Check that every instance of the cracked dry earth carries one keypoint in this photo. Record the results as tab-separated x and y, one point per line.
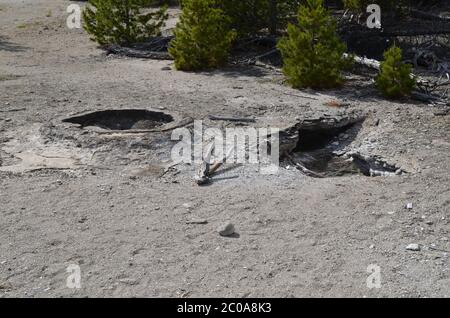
71	194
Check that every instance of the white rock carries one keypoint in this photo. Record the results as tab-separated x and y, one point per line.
226	229
409	206
187	206
413	247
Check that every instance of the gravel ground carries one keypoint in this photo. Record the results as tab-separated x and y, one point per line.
73	196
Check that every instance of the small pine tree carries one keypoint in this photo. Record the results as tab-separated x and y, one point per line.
312	52
352	4
202	36
123	21
395	79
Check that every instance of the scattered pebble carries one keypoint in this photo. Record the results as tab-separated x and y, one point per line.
187	206
166	68
226	229
409	206
413	247
197	221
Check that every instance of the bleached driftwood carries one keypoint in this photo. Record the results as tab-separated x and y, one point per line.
206	169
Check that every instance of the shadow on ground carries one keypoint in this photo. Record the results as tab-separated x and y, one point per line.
6	45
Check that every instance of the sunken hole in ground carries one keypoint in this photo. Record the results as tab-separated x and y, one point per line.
318	150
124	119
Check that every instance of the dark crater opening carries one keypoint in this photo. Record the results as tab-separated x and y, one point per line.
319	153
123	119
315	139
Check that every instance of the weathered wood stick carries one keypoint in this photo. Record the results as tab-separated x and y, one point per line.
202	176
236	119
206	170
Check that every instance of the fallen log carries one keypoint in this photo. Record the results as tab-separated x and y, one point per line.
398	33
424	85
427	15
135	53
376	65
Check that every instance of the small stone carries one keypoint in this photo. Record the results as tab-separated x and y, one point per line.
441	112
226	229
413	247
197	221
372	247
409	206
166	68
82	220
187	206
128	281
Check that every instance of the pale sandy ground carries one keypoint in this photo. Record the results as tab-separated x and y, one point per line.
298	236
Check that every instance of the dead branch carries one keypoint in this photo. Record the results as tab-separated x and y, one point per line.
427	16
233	119
206	170
426	87
302	168
202	176
136	53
